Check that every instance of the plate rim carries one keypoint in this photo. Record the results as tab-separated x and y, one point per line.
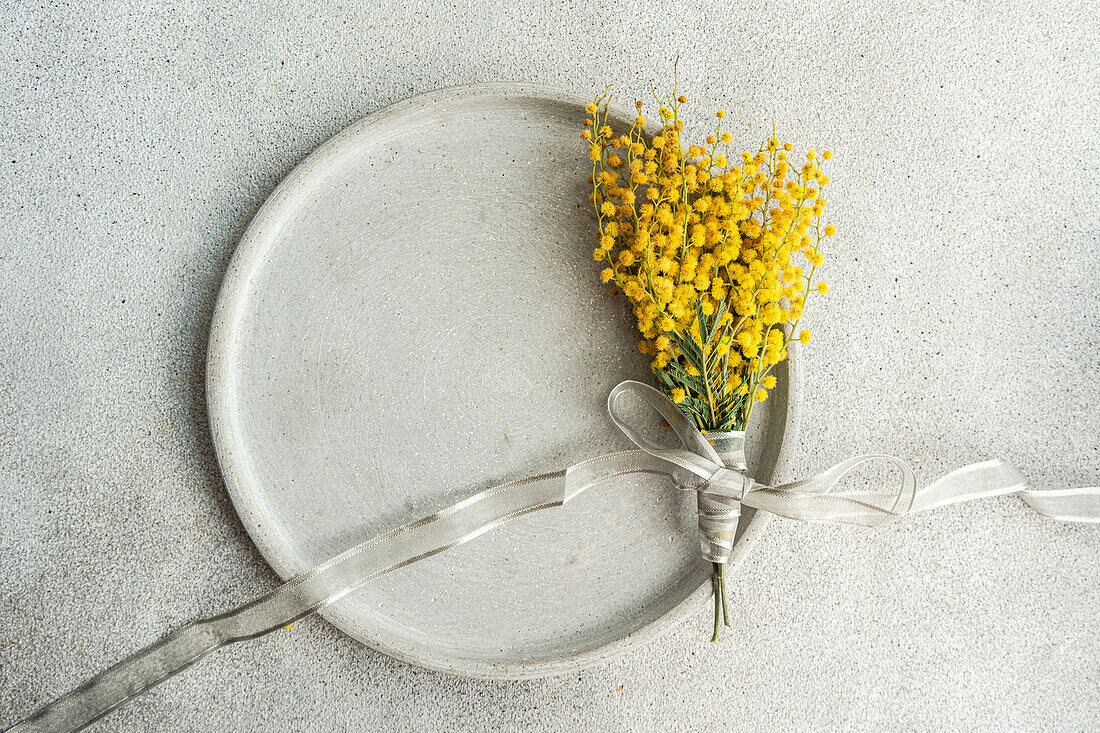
234	288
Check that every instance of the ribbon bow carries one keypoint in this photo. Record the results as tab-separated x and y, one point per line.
714	466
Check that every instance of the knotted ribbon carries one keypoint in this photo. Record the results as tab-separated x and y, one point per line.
713	466
723	486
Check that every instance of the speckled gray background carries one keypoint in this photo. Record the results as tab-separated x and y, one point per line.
137	144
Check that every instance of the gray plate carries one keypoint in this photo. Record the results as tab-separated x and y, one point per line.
414	315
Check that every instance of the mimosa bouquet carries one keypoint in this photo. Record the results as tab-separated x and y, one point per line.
716	253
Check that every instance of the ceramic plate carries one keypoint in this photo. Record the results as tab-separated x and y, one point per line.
414	315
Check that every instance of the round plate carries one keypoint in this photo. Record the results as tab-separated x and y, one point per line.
414	315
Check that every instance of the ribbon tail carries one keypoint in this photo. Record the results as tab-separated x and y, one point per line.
998	478
811	500
1067	505
324	585
976	481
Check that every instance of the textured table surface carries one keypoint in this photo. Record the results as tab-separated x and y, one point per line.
137	144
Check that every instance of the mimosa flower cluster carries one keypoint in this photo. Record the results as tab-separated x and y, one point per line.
715	251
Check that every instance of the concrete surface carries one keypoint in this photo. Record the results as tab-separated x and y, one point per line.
137	144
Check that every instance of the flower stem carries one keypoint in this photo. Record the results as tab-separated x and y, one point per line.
725	602
721	608
717	604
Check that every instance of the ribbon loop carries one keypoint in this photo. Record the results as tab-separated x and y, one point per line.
698	456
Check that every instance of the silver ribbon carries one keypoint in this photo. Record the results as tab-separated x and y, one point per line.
712	465
698	466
